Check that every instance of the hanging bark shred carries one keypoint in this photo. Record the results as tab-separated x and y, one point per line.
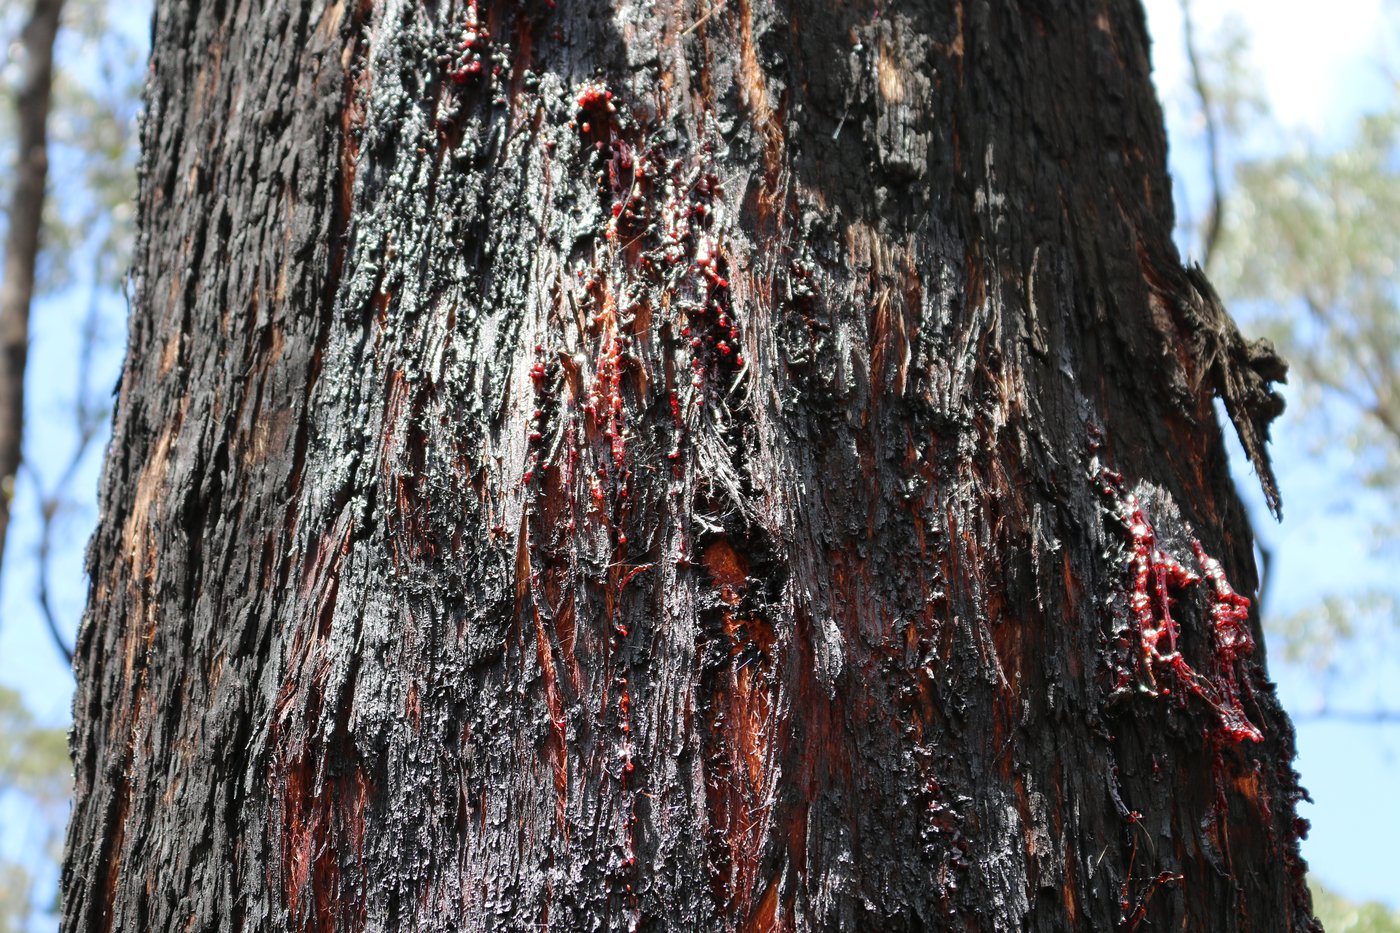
1242	373
617	466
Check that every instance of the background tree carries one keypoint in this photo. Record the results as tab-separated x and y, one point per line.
1307	241
77	117
67	237
1331	217
22	224
603	468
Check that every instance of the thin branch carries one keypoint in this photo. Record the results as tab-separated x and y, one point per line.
89	415
48	509
1266	566
1198	83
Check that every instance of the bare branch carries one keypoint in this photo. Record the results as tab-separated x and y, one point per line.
49	509
88	417
1266	566
1198	84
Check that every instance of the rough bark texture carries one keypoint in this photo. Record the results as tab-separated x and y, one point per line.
24	220
735	466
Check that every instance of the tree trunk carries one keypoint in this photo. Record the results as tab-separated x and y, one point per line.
746	466
25	219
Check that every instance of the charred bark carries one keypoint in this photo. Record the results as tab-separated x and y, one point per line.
732	466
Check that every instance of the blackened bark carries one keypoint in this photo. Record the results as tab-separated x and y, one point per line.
736	466
25	219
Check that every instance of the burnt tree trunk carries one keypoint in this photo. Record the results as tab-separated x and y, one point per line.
735	466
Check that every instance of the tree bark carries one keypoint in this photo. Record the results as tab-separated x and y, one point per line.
719	466
25	220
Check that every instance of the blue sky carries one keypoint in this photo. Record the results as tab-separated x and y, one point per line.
1318	71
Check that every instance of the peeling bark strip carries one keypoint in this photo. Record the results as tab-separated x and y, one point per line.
617	466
